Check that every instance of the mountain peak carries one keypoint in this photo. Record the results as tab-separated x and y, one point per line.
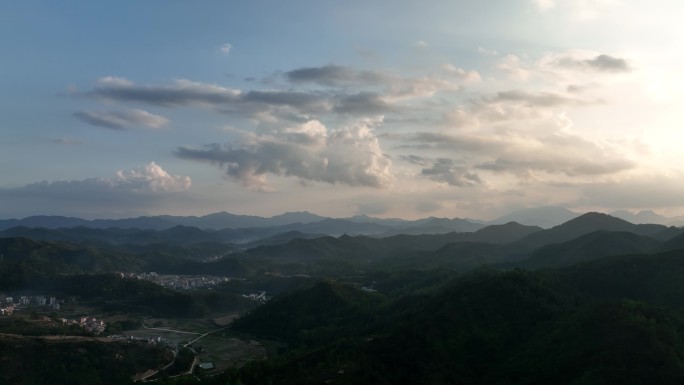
596	219
545	216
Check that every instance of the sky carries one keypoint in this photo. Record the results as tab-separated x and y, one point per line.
456	108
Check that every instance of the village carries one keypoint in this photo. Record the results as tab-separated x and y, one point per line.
178	282
10	305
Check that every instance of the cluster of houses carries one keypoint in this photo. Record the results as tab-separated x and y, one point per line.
7	309
142	276
188	283
9	304
178	282
90	324
258	297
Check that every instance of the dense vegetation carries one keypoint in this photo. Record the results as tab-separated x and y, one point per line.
488	327
593	301
41	361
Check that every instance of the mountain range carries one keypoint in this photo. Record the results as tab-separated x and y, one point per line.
317	248
305	222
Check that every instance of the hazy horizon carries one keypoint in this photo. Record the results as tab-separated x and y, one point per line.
389	109
546	214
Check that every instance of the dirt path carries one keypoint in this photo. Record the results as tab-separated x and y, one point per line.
167	330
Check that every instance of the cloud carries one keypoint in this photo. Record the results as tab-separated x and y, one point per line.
470	76
119	120
607	63
515	109
420	44
114	81
579	88
186	93
598	63
151	178
580	10
350	155
520	155
136	189
542	99
393	87
570	66
488	52
422	87
658	190
226	48
68	141
334	76
444	170
303	101
179	93
363	103
375	93
514	67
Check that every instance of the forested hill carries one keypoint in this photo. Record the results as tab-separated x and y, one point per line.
593	323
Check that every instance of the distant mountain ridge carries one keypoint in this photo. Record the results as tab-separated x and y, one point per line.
249	228
214	221
585	224
546	216
303	221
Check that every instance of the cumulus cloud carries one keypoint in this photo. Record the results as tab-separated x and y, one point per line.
150	178
350	155
128	190
119	120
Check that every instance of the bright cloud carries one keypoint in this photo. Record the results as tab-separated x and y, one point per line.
129	190
150	178
349	155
